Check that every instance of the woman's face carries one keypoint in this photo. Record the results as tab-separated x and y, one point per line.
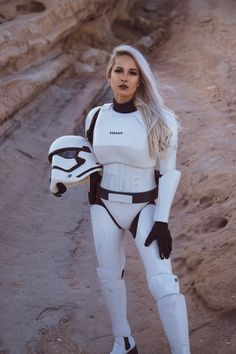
124	78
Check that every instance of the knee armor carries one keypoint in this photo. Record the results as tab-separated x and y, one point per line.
163	284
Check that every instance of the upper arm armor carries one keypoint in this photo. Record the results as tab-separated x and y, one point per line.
168	156
89	118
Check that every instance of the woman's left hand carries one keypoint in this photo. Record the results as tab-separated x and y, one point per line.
161	234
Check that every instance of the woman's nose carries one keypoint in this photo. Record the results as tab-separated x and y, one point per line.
124	78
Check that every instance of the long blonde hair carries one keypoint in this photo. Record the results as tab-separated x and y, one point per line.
147	100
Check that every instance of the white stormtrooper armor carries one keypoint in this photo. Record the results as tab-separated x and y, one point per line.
72	160
126	201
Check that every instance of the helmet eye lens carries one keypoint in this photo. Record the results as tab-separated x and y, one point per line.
69	154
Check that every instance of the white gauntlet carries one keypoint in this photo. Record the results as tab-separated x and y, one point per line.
168	184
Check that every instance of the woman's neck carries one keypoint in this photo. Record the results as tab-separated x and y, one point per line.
125	107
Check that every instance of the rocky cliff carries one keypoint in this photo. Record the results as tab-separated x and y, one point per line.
41	40
52	57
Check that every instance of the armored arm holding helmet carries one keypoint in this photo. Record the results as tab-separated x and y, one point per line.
73	161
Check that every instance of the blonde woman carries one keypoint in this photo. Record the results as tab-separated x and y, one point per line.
132	138
134	141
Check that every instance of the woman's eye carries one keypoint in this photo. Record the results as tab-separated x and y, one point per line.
118	70
134	73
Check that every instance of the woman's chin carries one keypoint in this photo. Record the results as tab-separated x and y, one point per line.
123	98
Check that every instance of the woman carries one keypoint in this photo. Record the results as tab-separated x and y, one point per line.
132	138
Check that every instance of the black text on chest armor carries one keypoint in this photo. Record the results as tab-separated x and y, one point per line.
116	133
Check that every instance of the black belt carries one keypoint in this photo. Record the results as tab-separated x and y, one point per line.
122	197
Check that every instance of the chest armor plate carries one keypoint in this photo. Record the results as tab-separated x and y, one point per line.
121	138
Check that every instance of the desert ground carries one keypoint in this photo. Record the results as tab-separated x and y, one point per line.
50	300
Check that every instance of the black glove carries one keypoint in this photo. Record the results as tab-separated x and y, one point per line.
61	189
161	234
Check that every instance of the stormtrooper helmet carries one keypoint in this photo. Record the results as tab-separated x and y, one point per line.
72	161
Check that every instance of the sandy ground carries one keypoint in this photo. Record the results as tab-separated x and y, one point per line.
50	297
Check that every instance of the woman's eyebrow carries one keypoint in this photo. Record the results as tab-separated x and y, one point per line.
121	67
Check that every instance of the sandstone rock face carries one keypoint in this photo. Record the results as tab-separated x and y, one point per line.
34	33
52	58
201	52
94	57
